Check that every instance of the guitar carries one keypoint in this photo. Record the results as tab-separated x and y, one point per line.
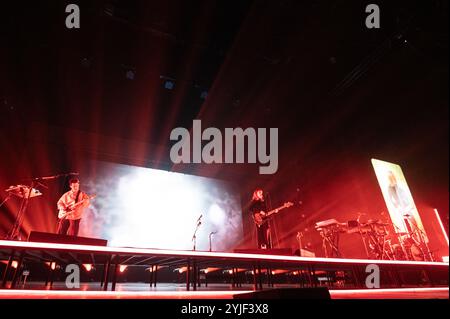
63	213
261	217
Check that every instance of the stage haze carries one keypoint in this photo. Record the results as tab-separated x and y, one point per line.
142	207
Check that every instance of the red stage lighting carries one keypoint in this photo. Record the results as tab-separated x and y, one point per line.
88	267
123	268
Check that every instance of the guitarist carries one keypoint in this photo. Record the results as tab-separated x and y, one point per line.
257	208
69	223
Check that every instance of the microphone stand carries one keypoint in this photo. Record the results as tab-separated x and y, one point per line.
272	230
194	237
53	176
5	200
14	232
210	245
299	239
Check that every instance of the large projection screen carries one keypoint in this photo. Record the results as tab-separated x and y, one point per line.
398	197
142	207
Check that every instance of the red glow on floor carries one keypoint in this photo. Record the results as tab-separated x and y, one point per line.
58	294
404	293
400	293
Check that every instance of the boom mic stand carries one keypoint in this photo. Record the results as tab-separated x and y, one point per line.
194	237
5	200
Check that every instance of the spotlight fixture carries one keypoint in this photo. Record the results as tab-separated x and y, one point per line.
130	74
169	85
204	95
130	71
86	62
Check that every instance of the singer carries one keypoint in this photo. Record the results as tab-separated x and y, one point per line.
71	207
257	209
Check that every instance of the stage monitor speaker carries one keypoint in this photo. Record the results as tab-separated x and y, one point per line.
305	253
65	239
274	251
287	293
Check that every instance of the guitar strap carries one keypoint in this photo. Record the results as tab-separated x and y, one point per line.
78	196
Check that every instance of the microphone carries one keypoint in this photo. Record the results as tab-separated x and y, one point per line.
200	217
213	232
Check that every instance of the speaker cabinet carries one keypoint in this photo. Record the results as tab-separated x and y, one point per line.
65	239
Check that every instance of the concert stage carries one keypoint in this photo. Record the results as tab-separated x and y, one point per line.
136	292
227	274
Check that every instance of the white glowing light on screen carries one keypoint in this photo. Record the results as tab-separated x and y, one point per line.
150	208
157	205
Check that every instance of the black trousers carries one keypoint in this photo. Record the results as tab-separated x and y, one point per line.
69	227
263	233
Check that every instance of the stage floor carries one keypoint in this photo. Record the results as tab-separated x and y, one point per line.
215	291
237	273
